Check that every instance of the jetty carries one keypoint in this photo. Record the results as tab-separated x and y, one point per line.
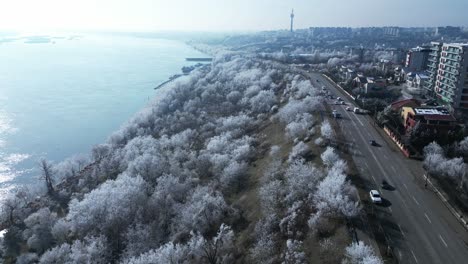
199	59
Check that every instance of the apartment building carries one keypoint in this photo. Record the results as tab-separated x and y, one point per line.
448	73
416	59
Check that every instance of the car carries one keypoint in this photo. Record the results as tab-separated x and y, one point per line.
343	102
332	97
337	102
375	197
348	108
339	98
372	142
385	185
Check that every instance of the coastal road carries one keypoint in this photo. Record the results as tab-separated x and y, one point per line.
419	227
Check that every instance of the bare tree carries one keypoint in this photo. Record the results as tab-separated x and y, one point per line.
47	175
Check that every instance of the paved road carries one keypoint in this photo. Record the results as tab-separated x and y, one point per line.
421	229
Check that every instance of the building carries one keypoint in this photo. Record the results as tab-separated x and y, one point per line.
448	74
451	84
416	59
374	85
438	119
417	80
432	66
398	105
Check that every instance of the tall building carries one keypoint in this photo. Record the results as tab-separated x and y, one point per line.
448	65
416	59
292	20
432	66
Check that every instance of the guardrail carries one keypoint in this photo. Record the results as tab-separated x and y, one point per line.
339	86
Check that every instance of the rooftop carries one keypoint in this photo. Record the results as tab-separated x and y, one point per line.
434	113
407	102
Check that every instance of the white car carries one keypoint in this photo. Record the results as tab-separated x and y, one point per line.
375	197
348	108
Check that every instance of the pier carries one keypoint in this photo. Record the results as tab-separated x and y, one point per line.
199	59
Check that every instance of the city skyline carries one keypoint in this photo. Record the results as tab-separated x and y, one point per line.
209	15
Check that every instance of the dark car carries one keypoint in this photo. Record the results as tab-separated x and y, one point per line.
373	143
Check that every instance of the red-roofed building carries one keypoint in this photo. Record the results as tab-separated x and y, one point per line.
396	106
435	118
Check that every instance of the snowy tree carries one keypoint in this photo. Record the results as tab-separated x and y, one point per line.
327	131
109	208
301	180
90	250
271	197
433	148
38	233
203	210
463	146
334	196
329	157
300	150
294	253
360	253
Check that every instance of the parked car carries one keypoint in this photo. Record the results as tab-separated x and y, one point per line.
373	143
375	197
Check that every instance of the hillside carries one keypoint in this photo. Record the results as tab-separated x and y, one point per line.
233	164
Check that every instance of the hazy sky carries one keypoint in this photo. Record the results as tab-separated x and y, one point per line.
221	15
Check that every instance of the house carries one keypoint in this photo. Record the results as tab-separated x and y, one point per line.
396	106
375	84
438	119
359	81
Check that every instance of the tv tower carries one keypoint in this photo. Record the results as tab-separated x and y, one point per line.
292	20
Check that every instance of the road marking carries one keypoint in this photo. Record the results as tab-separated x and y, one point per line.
367	166
360	122
443	241
399	253
404	203
385	156
393	168
401	230
390	209
414	256
416	201
406	187
427	217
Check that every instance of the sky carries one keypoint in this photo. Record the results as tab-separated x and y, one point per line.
224	15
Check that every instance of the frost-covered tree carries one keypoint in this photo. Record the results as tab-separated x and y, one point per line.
433	148
38	233
335	196
108	209
300	150
360	253
329	157
294	253
327	131
301	180
204	210
90	250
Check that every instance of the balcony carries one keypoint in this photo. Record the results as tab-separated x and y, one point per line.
453	51
451	57
433	59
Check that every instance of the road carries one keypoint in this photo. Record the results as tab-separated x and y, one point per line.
420	228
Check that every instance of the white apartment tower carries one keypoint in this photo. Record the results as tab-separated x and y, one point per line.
448	79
